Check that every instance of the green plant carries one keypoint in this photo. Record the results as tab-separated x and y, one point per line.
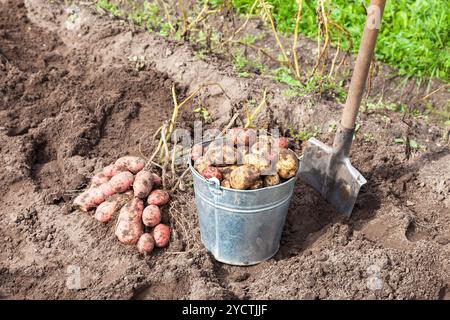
109	7
412	143
304	135
414	36
367	137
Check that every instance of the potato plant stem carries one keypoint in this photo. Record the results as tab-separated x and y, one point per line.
294	45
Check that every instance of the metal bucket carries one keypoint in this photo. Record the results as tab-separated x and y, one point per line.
241	227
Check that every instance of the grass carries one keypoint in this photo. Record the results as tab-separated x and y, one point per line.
414	35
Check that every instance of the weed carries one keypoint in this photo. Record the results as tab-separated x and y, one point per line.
304	135
412	143
109	7
367	137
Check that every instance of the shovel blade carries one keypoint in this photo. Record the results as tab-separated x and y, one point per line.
335	178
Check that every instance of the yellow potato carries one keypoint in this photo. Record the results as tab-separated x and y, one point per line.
222	155
261	148
226	171
257	185
287	165
201	164
244	177
225	184
271	180
262	164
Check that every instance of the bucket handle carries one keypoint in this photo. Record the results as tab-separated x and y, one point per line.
214	186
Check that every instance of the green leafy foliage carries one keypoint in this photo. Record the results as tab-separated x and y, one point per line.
109	7
414	36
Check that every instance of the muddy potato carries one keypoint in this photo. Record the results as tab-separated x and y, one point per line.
271	180
161	234
122	182
222	155
287	165
262	164
257	185
129	225
151	216
105	211
99	179
196	152
132	163
226	171
201	164
146	243
241	152
143	184
212	172
157	181
225	184
244	177
261	148
233	134
158	197
246	137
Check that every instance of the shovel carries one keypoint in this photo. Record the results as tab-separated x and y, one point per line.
328	169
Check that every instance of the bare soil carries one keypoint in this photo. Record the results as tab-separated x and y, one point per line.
71	101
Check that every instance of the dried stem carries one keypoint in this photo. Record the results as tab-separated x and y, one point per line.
256	111
183	13
238	30
294	44
275	33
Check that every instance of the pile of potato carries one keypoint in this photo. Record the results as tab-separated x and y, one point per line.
127	186
243	161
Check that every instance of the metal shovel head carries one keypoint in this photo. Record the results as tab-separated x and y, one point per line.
331	175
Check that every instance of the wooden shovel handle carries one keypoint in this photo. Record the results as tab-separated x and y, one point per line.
362	65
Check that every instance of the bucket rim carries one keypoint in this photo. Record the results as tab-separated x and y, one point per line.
194	172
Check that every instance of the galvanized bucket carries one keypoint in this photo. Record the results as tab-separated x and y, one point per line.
241	227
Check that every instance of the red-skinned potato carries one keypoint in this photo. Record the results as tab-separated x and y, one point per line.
132	163
129	224
122	182
281	142
212	172
111	170
161	234
196	152
99	179
143	184
151	216
89	199
158	197
157	181
146	243
105	211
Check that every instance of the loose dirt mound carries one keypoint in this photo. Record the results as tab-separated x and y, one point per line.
71	102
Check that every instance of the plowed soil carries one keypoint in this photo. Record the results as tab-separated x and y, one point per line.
72	101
